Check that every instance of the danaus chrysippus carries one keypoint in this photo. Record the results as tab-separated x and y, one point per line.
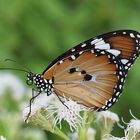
93	72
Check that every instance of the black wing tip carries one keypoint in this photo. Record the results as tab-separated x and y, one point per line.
120	31
128	31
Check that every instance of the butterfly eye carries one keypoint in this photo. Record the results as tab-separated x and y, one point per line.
30	77
29	82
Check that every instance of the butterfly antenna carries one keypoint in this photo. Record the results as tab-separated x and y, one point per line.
15	69
18	64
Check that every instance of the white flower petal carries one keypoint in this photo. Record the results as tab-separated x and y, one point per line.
108	115
39	102
69	112
135	125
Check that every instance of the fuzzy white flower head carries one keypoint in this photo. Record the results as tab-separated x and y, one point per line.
135	124
133	128
2	138
69	111
41	101
108	115
11	82
107	120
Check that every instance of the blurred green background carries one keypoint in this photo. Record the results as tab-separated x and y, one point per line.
35	32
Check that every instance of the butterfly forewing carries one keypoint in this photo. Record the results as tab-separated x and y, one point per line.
124	44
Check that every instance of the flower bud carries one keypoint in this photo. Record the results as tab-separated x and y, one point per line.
106	121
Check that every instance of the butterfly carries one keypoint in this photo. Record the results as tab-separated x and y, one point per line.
92	73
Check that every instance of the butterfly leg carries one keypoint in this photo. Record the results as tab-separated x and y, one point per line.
33	92
61	100
31	100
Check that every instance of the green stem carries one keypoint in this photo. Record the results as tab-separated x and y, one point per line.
88	118
59	133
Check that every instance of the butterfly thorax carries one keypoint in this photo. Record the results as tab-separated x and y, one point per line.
42	84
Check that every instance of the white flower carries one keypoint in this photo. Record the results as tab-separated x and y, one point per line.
68	110
11	82
135	124
104	115
106	119
133	129
2	138
41	101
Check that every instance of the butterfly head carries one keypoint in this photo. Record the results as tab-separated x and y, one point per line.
30	78
41	83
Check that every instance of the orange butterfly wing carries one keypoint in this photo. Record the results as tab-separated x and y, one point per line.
93	82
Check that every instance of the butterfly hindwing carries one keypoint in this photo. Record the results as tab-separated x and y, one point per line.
94	79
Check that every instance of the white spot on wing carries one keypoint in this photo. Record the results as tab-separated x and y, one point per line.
73	57
138	35
80	52
132	35
100	43
129	64
117	94
83	45
114	52
126	67
124	61
103	107
61	61
105	46
95	41
110	104
102	52
50	81
73	50
93	79
114	99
